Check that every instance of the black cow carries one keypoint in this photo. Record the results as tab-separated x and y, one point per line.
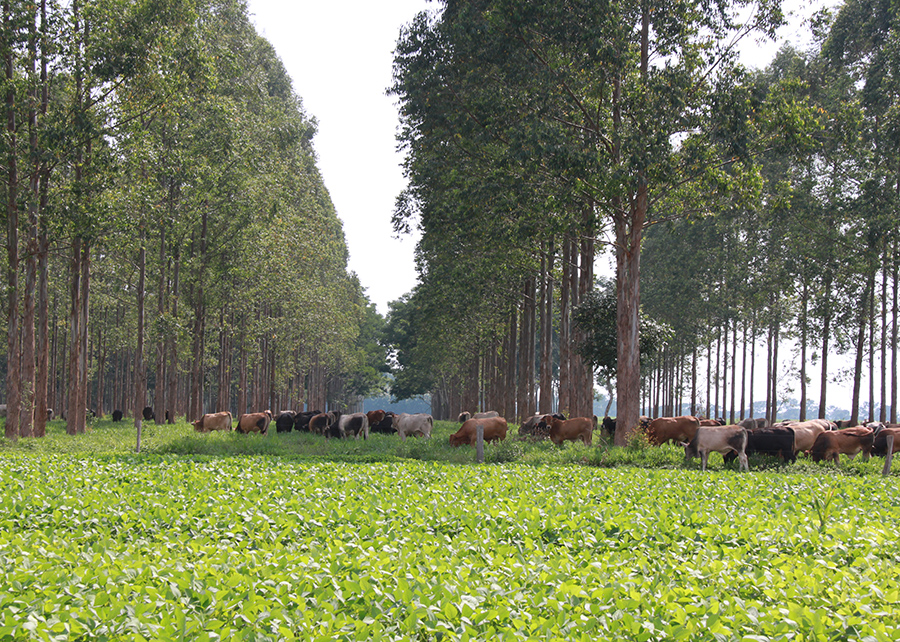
301	420
774	441
386	425
148	414
285	421
609	425
117	415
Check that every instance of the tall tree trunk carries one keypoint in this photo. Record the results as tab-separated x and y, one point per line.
13	373
83	327
776	339
804	303
694	378
564	328
708	376
734	334
872	349
894	325
74	334
752	364
860	346
718	372
826	331
140	376
546	372
882	415
769	372
159	385
585	283
743	371
172	346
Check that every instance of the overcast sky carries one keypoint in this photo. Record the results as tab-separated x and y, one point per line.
339	55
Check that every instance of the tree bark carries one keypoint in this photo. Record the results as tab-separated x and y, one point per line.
546	372
564	328
140	377
804	303
826	330
894	327
860	346
13	374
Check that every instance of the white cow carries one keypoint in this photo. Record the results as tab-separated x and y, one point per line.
417	424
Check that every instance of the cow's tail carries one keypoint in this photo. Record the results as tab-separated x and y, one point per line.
230	420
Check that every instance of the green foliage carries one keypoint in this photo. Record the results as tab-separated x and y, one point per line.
273	548
595	316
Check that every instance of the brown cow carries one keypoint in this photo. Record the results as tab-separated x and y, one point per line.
254	422
375	417
494	430
830	444
887	442
711	422
677	429
213	421
569	430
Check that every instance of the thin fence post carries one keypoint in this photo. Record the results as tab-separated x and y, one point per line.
890	454
479	444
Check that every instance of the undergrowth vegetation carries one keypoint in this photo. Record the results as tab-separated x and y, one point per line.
283	537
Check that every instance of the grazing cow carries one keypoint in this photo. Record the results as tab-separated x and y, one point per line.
712	422
529	427
845	423
720	439
386	425
255	422
356	423
568	430
463	417
318	423
829	445
301	419
117	415
375	417
284	422
494	430
609	425
752	423
774	441
677	429
805	432
148	414
417	424
213	421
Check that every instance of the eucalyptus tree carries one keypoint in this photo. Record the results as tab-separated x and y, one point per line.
617	103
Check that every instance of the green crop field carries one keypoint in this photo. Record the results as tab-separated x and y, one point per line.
234	537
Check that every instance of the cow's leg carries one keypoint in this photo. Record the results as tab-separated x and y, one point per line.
704	455
745	465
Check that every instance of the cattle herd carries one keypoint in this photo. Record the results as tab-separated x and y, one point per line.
334	424
819	439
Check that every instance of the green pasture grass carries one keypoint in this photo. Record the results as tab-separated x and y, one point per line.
260	547
104	437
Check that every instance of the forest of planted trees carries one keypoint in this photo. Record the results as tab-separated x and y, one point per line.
170	241
750	212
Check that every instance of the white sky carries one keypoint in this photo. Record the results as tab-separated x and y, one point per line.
339	55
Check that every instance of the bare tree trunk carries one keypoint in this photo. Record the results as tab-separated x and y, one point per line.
140	376
752	363
74	334
872	350
564	328
694	378
860	346
743	371
585	283
172	346
708	376
776	338
734	334
546	372
159	387
894	331
882	415
718	372
769	373
13	393
826	330
803	328
83	328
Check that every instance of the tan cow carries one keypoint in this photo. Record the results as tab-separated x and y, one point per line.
494	430
254	422
805	432
720	439
413	424
213	421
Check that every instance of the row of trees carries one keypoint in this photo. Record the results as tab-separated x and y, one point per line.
170	241
537	131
